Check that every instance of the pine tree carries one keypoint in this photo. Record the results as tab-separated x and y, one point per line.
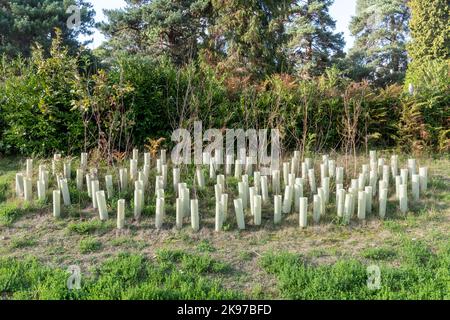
313	44
173	27
242	36
248	36
381	31
26	22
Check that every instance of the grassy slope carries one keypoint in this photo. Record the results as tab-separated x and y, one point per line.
326	261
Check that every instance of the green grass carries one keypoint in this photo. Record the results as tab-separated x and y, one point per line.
125	242
13	210
22	242
4	187
379	253
205	246
192	263
90	227
421	275
8	169
126	276
393	226
9	212
88	245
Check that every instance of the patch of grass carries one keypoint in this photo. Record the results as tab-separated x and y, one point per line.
29	279
8	169
55	250
316	253
90	227
200	264
258	291
128	243
438	183
89	245
379	253
78	198
416	253
9	212
149	210
73	211
22	242
13	210
4	185
422	276
186	238
245	255
393	226
193	263
167	255
205	246
123	277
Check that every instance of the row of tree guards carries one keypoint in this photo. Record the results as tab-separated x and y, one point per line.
294	189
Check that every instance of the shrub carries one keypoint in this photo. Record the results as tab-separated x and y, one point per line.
425	118
36	104
52	104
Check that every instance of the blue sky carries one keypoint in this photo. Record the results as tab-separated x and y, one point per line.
342	11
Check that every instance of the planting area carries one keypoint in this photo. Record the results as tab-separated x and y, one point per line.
325	260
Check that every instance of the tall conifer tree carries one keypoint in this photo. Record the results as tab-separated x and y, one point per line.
313	45
381	31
